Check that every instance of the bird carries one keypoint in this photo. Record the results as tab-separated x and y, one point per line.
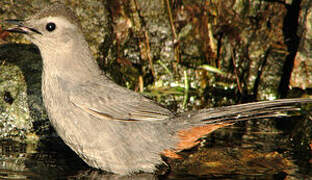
109	126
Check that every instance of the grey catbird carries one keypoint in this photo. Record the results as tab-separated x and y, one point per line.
108	126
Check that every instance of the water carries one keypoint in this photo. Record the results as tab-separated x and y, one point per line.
247	150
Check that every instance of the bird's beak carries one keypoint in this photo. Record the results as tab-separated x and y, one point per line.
20	27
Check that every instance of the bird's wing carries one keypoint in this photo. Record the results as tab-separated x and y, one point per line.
112	102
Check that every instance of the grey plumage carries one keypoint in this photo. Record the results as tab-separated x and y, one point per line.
111	127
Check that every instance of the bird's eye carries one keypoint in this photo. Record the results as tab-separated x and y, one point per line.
50	27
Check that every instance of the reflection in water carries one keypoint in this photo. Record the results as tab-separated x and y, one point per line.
53	160
93	175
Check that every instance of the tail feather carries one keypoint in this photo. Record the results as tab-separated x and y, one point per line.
253	115
201	123
248	111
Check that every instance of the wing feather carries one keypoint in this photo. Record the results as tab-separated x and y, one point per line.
110	101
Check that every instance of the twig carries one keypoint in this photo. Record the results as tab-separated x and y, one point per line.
148	49
141	83
186	89
236	74
175	40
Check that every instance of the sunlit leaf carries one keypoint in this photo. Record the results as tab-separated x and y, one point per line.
211	69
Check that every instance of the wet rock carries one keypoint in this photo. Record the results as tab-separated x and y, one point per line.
20	89
234	162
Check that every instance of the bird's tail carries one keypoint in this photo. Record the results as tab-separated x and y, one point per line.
248	111
200	123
